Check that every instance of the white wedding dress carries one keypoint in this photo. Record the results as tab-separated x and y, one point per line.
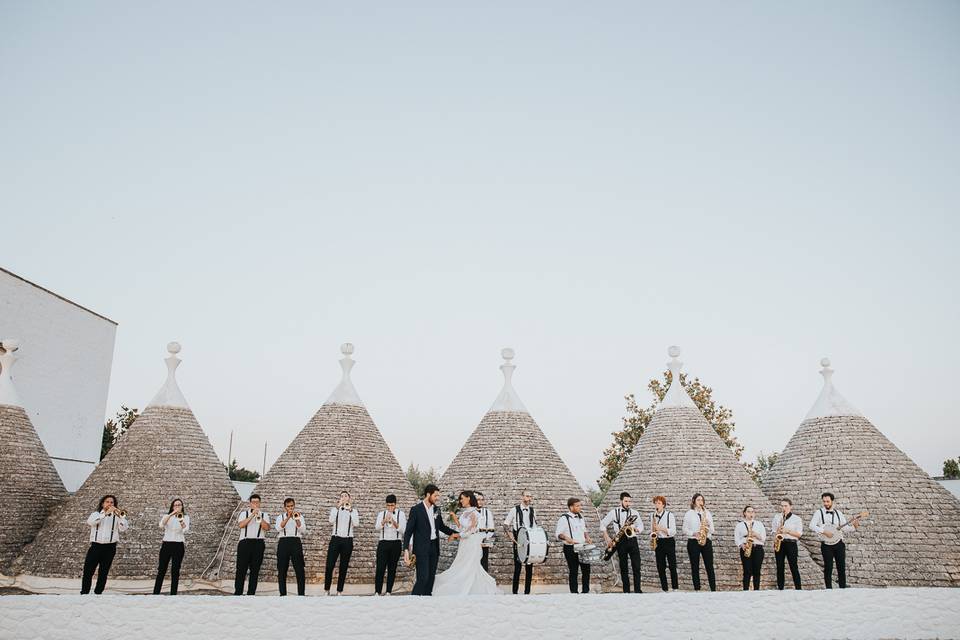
466	576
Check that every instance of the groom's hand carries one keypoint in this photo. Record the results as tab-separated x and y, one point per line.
455	536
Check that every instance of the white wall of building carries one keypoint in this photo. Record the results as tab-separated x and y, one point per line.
63	371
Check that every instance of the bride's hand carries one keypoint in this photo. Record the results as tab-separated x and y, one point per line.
455	536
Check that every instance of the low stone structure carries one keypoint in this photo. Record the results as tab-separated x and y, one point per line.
912	535
680	454
29	483
164	455
504	455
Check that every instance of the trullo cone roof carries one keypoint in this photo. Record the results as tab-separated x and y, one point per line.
339	449
504	455
28	480
912	536
680	454
164	455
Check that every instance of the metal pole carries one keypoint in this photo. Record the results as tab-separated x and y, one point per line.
264	467
230	450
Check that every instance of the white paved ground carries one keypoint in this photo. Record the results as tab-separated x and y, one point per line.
853	613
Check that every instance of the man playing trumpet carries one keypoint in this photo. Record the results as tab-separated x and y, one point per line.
253	525
345	519
291	527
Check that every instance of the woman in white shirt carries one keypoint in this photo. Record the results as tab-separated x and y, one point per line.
106	524
745	530
174	525
692	522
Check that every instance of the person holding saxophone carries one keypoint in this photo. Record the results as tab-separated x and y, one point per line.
628	548
788	527
698	527
749	535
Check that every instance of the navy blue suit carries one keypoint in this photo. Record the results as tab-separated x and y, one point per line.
426	550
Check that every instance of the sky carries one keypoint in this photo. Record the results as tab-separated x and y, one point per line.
762	184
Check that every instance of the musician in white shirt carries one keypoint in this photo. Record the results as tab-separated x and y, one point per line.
486	521
253	525
791	532
345	519
522	515
106	524
572	531
291	527
832	552
172	548
750	529
664	524
692	521
628	549
390	525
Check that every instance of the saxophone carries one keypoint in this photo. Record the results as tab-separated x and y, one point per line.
627	530
653	533
748	545
704	530
778	539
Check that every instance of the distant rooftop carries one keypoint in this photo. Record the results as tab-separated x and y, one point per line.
57	295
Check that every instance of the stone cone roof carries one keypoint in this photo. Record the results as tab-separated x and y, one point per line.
340	448
504	455
697	461
912	537
28	479
164	455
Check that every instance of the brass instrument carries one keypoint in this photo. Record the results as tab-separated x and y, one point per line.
748	545
180	516
627	530
704	529
653	533
296	515
412	562
120	513
778	540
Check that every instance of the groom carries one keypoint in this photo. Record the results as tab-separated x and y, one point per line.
424	524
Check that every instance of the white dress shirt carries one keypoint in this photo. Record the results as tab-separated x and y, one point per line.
669	521
572	525
393	531
106	529
432	517
344	521
794	523
172	531
252	530
740	533
487	521
291	530
617	516
691	524
527	515
821	517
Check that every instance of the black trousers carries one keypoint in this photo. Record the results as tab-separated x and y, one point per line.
342	549
830	553
695	551
629	550
574	565
528	578
485	559
751	567
290	551
666	553
388	555
170	553
788	552
249	558
99	558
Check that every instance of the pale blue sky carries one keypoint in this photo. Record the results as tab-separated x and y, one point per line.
759	183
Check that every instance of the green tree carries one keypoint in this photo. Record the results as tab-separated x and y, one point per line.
951	469
241	474
419	479
596	494
115	427
638	418
763	464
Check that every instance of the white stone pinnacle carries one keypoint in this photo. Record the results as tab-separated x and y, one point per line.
170	394
676	395
830	402
508	400
8	393
345	393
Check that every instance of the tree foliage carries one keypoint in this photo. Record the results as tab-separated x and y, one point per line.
763	464
419	478
951	469
115	427
241	474
638	418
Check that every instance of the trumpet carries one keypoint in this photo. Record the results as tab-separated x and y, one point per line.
180	516
120	513
297	515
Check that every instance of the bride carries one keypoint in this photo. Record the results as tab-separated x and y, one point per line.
465	576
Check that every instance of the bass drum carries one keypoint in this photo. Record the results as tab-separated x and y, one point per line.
532	545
